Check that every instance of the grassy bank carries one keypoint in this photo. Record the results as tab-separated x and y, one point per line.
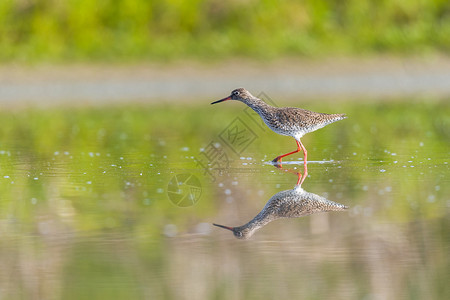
119	30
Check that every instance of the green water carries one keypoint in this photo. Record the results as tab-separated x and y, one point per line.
91	205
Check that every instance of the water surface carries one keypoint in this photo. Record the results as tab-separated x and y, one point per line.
119	203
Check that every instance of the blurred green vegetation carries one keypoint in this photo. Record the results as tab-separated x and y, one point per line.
127	30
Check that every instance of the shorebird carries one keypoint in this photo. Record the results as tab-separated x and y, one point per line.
290	121
286	204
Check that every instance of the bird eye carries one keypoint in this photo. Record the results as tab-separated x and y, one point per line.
236	93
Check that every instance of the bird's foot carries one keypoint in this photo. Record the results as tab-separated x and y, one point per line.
277	160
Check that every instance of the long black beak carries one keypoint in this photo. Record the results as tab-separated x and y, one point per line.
226	227
224	99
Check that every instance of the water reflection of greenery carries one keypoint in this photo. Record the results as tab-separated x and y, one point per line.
77	173
121	153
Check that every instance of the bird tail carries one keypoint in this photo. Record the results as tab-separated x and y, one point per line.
339	117
335	117
334	206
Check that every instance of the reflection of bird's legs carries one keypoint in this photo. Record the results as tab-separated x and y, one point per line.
299	178
278	158
299	175
305	160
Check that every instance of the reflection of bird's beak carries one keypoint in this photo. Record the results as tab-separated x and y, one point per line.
226	227
224	99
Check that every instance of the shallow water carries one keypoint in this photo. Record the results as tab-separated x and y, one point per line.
120	204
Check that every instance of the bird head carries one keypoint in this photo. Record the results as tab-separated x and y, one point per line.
241	232
239	94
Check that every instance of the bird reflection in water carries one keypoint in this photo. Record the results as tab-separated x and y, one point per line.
293	203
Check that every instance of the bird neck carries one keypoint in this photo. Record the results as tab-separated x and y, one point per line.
257	105
257	222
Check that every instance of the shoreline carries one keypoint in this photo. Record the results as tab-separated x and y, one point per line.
376	78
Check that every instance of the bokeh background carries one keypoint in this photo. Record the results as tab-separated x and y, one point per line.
105	104
136	30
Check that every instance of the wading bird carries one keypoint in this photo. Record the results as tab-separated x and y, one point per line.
290	121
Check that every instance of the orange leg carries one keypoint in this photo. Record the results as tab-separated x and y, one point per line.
278	158
305	160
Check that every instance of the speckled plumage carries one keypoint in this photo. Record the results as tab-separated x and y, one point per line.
290	121
286	204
